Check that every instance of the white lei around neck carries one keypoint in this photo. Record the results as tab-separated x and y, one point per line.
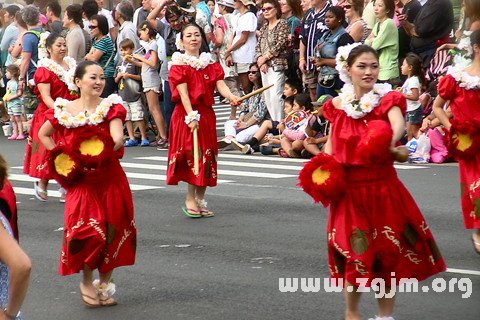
357	109
66	76
464	79
197	63
68	120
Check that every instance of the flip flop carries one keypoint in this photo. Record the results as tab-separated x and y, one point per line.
192	213
39	191
88	304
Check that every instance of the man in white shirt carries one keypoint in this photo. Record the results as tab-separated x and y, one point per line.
141	13
108	15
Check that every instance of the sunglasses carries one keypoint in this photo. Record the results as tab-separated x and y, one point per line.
252	72
267	9
92	27
347	6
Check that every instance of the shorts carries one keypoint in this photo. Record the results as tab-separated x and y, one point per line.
310	79
156	89
134	110
15	109
415	116
242	67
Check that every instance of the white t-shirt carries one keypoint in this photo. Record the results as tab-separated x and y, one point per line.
107	14
244	22
412	83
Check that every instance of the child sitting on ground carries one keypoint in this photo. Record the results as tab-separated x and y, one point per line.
129	89
14	102
295	123
290	89
316	130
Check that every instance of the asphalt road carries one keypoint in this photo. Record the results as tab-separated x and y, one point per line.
228	267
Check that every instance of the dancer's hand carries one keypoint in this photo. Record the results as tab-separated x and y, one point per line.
193	125
234	100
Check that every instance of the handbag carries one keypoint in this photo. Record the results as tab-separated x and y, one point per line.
326	81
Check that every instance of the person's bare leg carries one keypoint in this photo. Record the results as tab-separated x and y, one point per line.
385	305
190	201
352	301
154	108
87	290
104	296
311	147
143	130
129	126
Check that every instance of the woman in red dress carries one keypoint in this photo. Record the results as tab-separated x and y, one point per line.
53	79
99	225
461	89
193	78
375	227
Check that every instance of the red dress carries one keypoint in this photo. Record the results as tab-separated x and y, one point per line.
201	85
99	225
35	162
376	227
465	106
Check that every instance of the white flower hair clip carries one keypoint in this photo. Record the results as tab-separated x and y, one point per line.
42	45
341	61
178	43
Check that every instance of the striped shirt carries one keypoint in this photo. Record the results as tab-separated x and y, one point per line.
313	28
106	46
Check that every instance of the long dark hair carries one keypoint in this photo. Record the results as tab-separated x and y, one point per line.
415	62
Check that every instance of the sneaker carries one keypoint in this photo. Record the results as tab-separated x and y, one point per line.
247	149
241	147
162	144
130	143
145	143
13	137
21	137
305	154
224	143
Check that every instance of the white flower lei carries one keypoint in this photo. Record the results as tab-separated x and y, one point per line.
341	61
64	75
197	63
464	79
357	109
67	120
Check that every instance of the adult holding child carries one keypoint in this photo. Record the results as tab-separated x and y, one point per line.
375	227
193	78
88	167
460	89
53	79
271	56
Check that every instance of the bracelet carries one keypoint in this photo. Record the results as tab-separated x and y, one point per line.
192	116
302	59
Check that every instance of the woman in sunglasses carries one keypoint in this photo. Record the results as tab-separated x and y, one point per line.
357	27
102	51
271	56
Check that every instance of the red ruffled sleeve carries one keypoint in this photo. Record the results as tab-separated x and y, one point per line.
43	75
218	70
390	100
176	76
447	87
330	112
116	111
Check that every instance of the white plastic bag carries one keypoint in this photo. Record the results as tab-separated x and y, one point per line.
419	149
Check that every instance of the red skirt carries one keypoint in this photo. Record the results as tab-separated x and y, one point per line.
376	228
180	152
470	191
99	224
35	158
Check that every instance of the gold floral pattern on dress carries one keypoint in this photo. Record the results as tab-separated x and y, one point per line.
360	267
359	241
331	238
